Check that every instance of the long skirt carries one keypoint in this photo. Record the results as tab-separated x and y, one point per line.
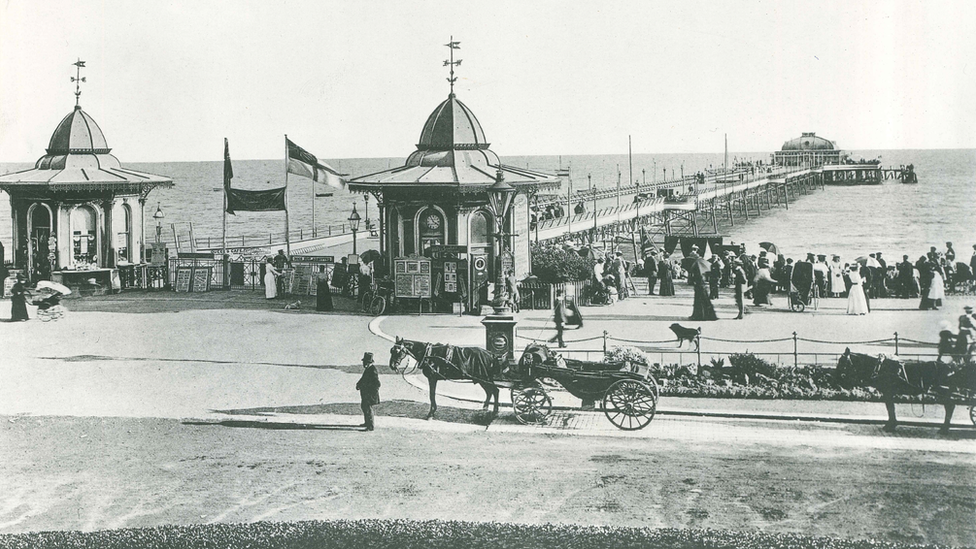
270	285
667	286
760	293
703	309
18	308
937	289
856	303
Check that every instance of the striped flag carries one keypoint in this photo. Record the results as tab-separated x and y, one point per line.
305	164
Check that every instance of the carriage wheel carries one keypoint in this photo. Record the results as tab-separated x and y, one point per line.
796	305
377	306
532	405
972	414
629	404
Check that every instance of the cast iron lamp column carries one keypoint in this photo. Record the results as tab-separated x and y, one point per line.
500	197
354	225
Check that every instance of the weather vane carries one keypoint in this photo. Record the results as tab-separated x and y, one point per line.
452	63
78	79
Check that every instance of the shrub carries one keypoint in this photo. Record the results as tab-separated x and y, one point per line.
619	355
554	264
751	365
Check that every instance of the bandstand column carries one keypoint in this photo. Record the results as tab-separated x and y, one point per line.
141	246
108	246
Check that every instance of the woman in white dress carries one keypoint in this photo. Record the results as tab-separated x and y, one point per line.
836	277
937	288
270	280
856	304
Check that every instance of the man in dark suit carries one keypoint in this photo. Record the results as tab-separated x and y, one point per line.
650	271
867	282
803	277
369	389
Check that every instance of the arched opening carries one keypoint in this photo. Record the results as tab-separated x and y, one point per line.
39	220
431	228
123	239
84	241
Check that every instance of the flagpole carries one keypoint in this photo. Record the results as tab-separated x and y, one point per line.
287	236
223	240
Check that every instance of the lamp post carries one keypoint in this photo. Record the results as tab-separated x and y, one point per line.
500	197
366	198
158	216
354	225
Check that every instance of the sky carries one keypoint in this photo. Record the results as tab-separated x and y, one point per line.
168	80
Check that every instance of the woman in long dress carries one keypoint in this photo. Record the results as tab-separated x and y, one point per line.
270	280
937	286
18	300
836	277
664	274
856	303
764	284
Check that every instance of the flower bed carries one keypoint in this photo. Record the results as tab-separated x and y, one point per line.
425	534
750	376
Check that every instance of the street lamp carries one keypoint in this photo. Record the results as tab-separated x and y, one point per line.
500	197
366	198
354	225
158	216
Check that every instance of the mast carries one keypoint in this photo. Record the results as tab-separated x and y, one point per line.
287	236
725	165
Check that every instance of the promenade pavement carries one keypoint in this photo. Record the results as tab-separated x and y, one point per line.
203	356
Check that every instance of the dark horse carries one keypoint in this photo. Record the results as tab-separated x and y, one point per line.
438	361
891	378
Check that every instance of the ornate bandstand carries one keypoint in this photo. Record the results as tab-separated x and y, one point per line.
78	215
454	202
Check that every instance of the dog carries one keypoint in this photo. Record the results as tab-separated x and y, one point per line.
685	334
295	305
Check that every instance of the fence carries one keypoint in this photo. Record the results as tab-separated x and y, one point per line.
542	296
244	274
791	356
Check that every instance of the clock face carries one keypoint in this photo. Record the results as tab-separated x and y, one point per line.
433	222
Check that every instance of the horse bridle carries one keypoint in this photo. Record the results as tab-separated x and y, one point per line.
404	351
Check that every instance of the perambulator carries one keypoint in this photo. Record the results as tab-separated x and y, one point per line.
797	301
48	300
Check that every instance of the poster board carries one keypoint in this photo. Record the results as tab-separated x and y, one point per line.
412	277
184	275
201	279
520	240
302	280
450	277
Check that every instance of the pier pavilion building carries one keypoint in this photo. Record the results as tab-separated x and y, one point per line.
808	150
78	214
438	203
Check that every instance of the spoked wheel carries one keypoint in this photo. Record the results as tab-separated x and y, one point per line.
796	305
629	404
532	405
377	306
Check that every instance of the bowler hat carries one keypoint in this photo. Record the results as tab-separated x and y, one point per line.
367	358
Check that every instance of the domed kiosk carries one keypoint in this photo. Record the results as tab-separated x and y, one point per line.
808	149
438	206
78	214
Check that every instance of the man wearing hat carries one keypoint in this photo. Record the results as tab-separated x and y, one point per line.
369	389
739	276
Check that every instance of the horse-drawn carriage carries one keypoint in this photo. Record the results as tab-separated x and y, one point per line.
627	394
950	384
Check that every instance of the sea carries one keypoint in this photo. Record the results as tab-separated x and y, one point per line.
893	218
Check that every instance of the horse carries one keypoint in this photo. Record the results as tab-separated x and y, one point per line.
891	378
439	361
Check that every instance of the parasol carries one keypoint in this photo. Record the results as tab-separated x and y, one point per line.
769	247
868	261
369	256
696	265
53	286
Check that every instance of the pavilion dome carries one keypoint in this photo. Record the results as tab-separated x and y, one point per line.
452	126
808	141
77	142
78	133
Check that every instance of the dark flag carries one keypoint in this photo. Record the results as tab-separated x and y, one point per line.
272	200
249	201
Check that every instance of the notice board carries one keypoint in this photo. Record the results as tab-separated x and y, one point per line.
412	277
201	279
184	276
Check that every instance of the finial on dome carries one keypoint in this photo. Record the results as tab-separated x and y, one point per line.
78	79
452	63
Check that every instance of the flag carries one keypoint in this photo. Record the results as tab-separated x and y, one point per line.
272	200
249	201
305	164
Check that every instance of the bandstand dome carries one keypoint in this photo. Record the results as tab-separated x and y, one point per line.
808	141
452	152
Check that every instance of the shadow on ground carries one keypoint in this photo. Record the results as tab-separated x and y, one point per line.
392	408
